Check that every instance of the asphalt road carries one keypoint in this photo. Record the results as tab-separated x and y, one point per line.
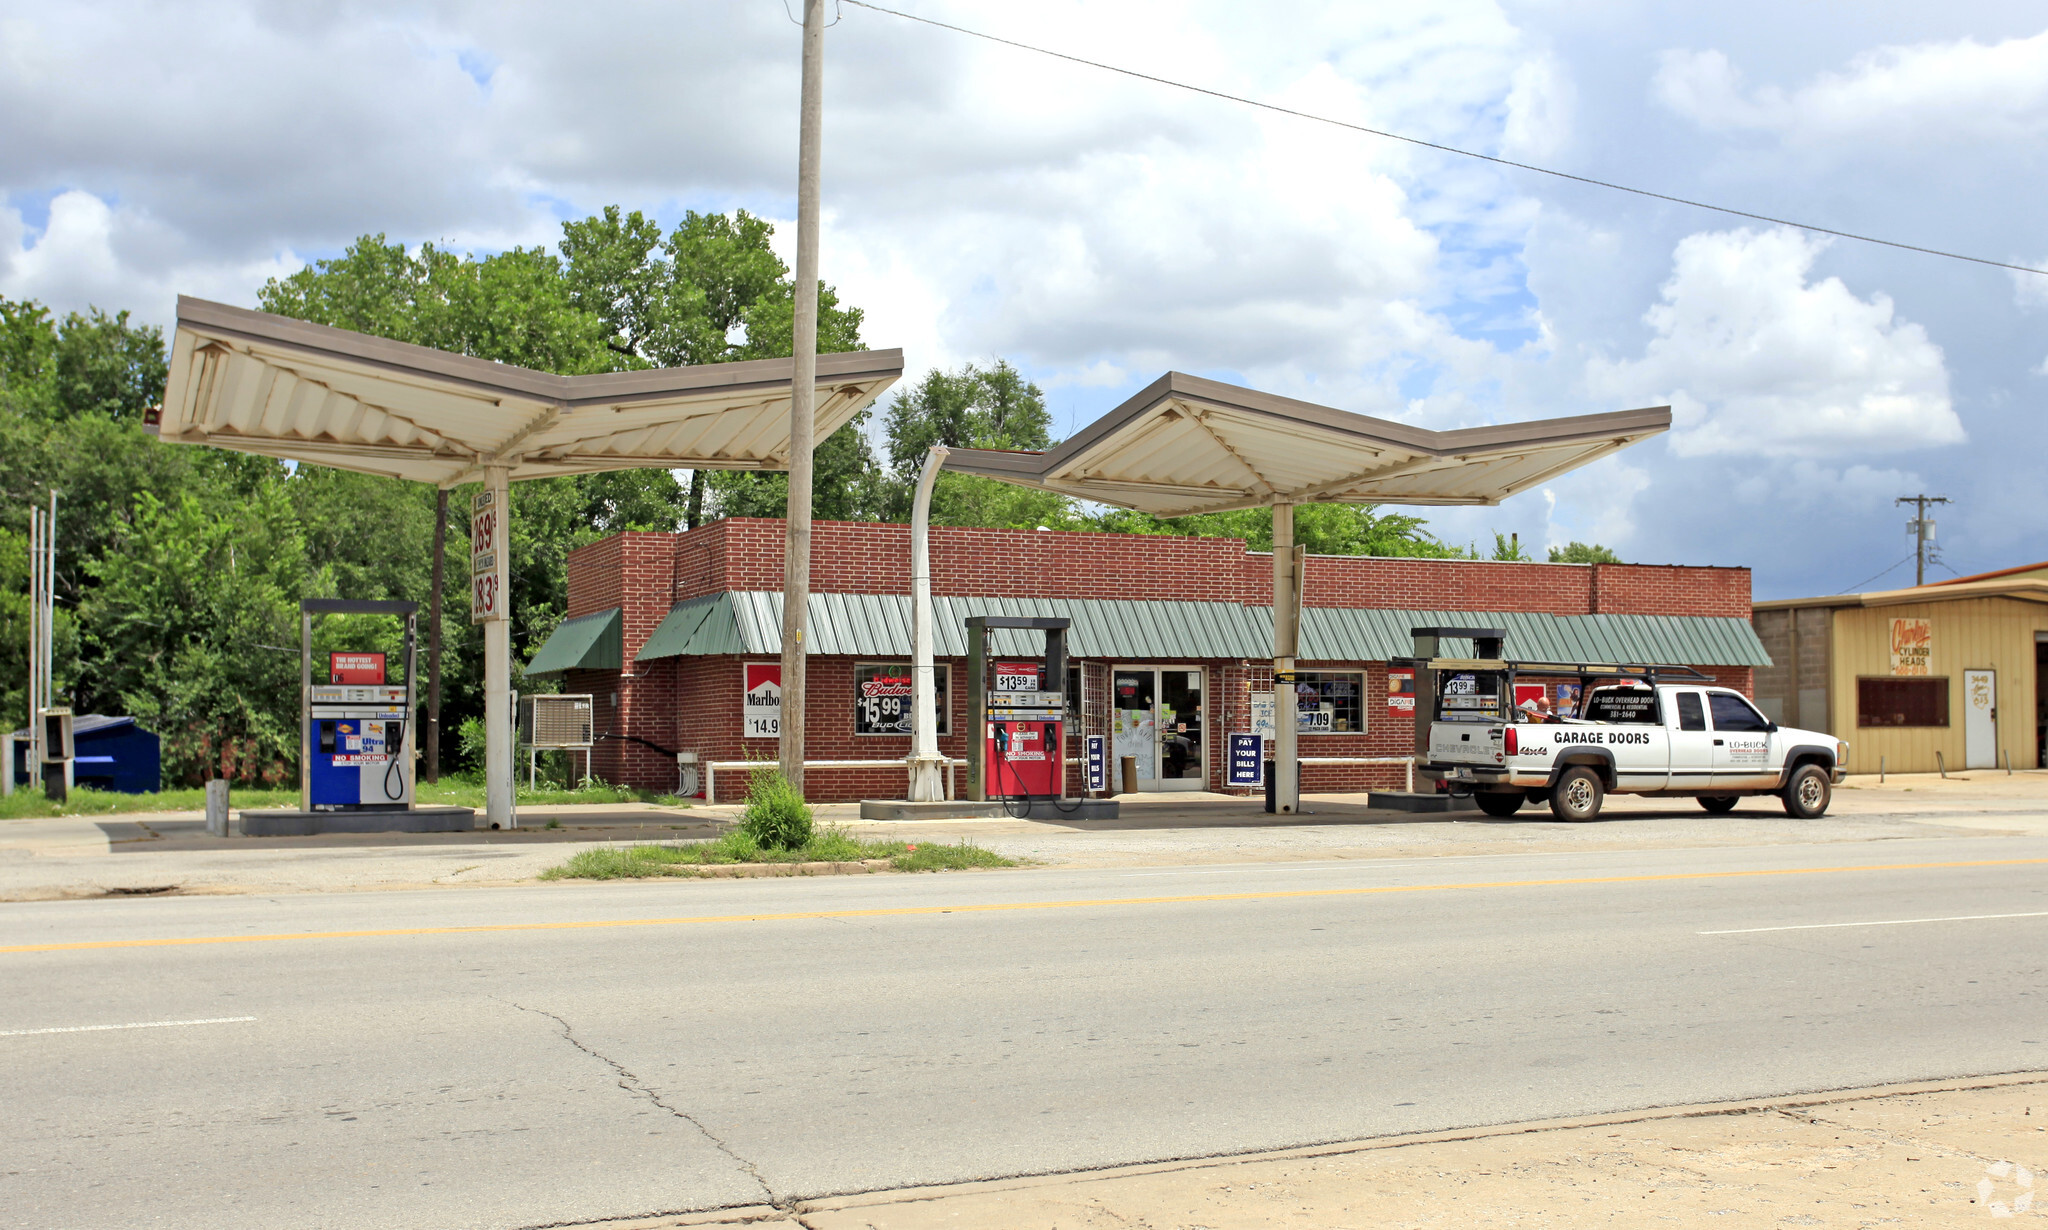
703	1047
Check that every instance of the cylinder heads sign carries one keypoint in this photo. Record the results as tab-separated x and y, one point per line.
487	565
761	707
1912	646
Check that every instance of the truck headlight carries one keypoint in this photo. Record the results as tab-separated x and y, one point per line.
1841	754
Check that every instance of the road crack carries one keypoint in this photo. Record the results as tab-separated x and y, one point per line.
633	1085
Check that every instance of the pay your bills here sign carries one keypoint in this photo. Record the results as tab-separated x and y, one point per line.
489	576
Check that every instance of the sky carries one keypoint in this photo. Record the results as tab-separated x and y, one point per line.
983	202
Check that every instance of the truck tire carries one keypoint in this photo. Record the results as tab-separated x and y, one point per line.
1807	795
1577	795
1719	803
1500	805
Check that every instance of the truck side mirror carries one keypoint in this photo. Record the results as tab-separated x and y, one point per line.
1772	727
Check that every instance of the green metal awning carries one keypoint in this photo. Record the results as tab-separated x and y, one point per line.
587	642
878	625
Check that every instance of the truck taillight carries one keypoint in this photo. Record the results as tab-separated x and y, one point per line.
1512	742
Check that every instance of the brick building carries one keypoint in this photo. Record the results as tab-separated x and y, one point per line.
1168	640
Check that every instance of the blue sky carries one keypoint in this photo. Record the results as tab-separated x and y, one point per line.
1095	231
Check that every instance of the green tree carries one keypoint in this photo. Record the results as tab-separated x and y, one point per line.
713	291
1324	529
1583	553
193	625
973	407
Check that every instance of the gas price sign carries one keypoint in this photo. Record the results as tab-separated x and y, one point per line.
487	566
1018	676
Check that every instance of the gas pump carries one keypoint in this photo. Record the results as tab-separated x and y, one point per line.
1020	709
358	737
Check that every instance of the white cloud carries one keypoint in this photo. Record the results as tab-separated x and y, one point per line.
1756	360
1922	92
1539	105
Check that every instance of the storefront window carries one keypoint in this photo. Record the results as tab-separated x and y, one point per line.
1902	702
1329	702
881	702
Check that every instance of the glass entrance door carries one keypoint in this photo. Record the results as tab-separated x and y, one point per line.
1157	719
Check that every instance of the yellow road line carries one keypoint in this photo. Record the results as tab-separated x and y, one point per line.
902	911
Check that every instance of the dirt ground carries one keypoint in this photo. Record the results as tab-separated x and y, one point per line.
1928	1155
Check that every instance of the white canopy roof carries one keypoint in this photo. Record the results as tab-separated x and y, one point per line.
259	383
1188	445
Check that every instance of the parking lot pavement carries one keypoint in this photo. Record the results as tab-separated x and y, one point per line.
83	857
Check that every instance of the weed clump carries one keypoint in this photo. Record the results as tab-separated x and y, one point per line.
777	818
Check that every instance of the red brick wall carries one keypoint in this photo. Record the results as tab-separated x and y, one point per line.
1670	589
693	704
745	553
1442	585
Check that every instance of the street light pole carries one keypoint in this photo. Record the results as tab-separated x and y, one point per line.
796	559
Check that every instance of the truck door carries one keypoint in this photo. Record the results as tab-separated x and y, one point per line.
1742	744
1692	746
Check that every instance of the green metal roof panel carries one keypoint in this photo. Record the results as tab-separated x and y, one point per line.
878	625
699	626
587	642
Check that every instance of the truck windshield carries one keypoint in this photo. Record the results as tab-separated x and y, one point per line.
1638	705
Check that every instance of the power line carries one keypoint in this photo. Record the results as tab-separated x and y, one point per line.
1853	588
1448	149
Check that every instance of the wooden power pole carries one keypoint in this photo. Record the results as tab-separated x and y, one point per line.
1922	530
796	563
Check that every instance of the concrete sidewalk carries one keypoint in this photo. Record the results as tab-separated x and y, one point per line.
1940	1154
94	856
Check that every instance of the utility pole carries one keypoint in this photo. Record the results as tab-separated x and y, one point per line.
1922	531
796	558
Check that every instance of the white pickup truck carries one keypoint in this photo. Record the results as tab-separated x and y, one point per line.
1648	734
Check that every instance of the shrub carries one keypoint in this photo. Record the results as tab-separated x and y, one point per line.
777	818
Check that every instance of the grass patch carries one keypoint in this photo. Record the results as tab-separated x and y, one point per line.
469	792
830	845
25	803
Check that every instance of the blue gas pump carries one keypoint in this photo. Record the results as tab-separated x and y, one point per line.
357	735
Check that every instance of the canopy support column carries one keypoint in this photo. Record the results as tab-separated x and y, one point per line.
926	765
498	672
1286	644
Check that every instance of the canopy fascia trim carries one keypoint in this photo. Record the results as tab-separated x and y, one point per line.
1186	444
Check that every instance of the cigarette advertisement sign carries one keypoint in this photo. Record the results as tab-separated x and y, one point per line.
1912	646
761	707
1401	693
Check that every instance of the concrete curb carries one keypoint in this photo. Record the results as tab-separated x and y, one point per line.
865	866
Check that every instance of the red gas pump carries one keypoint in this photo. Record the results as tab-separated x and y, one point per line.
1021	711
1024	754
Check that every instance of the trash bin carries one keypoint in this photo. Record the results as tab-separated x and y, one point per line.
1127	774
1270	804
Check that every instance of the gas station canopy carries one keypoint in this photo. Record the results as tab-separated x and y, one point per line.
259	383
1188	445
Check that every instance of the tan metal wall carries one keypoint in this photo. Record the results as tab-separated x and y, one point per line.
1974	634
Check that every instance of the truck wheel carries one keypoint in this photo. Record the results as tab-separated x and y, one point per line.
1807	794
1719	803
1577	795
1500	805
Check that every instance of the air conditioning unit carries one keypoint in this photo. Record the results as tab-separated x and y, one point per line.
560	720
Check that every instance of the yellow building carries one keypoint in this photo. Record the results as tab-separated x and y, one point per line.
1942	675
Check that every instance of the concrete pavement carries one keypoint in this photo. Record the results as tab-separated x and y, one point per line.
53	859
573	1053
